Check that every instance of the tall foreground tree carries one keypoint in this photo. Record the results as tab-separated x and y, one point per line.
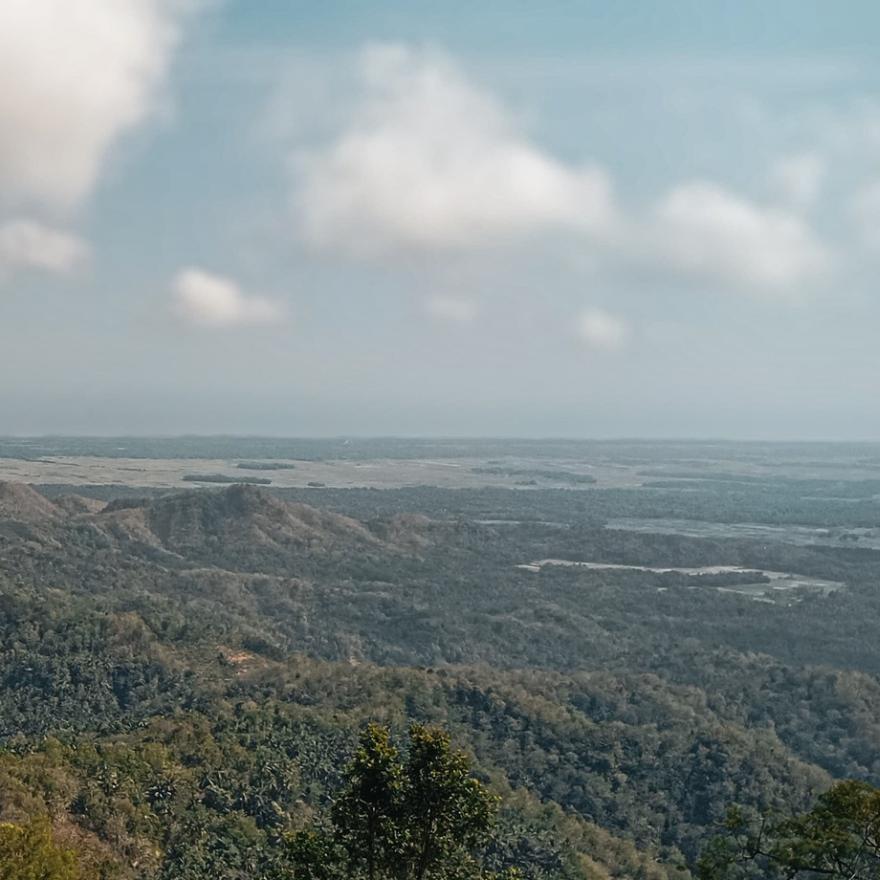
368	815
838	839
417	815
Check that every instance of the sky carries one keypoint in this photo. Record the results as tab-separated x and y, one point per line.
578	219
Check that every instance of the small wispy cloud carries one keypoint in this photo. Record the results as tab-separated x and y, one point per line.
26	244
214	301
703	230
798	178
451	308
864	210
602	330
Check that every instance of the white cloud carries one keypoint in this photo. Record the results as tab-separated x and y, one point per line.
429	162
451	308
74	75
602	330
214	301
864	208
799	178
703	230
25	244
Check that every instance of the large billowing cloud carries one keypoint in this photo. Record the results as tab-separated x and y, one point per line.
213	301
705	231
429	162
74	75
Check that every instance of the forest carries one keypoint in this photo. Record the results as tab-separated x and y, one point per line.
186	675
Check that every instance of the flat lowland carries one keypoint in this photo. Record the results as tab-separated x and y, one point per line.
380	473
822	472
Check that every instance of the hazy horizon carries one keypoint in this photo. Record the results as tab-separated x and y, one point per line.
512	439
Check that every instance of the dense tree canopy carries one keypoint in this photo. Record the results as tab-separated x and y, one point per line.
183	679
29	852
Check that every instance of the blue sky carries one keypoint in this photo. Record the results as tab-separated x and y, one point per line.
580	219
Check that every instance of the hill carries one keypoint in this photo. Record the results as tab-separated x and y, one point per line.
225	645
21	503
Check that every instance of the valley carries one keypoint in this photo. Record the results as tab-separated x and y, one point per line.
617	686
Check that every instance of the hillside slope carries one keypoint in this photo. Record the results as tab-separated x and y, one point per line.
618	712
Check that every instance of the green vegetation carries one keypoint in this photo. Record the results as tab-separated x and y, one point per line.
223	478
558	476
29	852
184	677
838	838
417	818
